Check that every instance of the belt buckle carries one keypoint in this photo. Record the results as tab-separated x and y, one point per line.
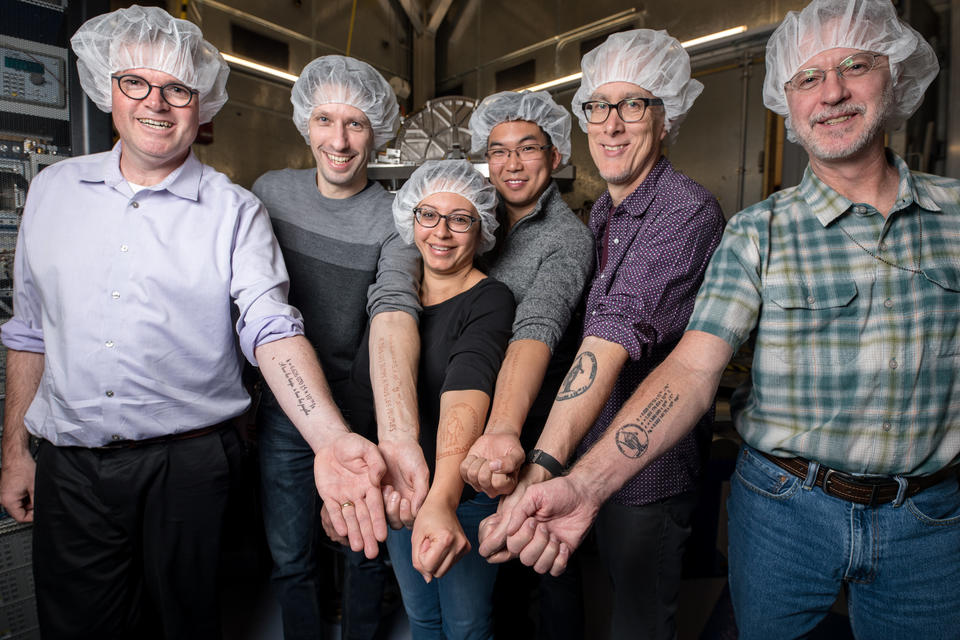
825	483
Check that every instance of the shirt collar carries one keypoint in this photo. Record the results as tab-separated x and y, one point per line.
827	205
637	203
184	181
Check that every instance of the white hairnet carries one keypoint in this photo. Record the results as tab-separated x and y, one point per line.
342	80
148	38
447	176
868	25
653	60
536	107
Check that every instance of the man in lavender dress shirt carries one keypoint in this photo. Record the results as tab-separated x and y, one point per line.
655	231
135	272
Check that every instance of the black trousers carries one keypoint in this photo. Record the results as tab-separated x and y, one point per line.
642	548
126	541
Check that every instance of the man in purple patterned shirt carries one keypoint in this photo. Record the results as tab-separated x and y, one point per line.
655	230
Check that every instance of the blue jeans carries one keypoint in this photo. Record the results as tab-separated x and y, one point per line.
291	509
458	605
792	548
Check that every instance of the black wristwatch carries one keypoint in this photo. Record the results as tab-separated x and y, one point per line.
545	460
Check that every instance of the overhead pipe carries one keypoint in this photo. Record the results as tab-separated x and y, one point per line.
628	15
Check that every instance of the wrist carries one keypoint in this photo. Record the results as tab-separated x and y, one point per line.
398	436
542	459
443	499
591	489
500	426
533	474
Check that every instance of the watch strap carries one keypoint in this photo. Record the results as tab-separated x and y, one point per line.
545	460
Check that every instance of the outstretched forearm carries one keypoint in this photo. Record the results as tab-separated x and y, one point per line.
582	396
663	409
394	359
462	414
518	384
290	368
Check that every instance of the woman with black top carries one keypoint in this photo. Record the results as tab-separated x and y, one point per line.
447	209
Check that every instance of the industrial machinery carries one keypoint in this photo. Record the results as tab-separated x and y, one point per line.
42	116
440	130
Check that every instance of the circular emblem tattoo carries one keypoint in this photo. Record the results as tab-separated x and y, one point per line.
580	377
632	440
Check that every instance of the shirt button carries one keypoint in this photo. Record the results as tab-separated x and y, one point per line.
115	295
811	299
602	276
888	303
887	426
883	246
859	209
109	394
593	313
124	248
116	437
109	344
135	204
616	241
893	363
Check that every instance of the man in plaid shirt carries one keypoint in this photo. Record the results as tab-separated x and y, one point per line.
851	419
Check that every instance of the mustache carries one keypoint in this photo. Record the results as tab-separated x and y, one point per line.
834	112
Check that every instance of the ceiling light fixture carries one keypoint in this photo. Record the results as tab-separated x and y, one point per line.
256	66
573	77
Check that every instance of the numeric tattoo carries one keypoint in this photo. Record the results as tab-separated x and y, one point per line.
580	377
389	382
634	439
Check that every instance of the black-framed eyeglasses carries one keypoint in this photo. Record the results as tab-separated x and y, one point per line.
629	109
857	65
429	218
174	94
526	153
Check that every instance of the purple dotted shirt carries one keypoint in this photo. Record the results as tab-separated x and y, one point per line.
652	251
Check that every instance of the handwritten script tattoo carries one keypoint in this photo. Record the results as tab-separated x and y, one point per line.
389	382
301	392
506	392
633	439
459	427
580	377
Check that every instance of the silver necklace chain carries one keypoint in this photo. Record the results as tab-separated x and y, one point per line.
884	260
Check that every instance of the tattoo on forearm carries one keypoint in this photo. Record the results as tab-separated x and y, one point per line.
633	439
305	401
459	428
580	377
389	383
506	396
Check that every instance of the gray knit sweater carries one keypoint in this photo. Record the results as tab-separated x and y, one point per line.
345	259
546	260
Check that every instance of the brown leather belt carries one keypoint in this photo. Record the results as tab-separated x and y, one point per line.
184	435
861	490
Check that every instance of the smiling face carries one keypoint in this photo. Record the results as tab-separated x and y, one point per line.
841	117
520	183
156	137
446	252
342	141
625	152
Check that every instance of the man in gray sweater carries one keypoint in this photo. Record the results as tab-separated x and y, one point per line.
346	265
544	253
